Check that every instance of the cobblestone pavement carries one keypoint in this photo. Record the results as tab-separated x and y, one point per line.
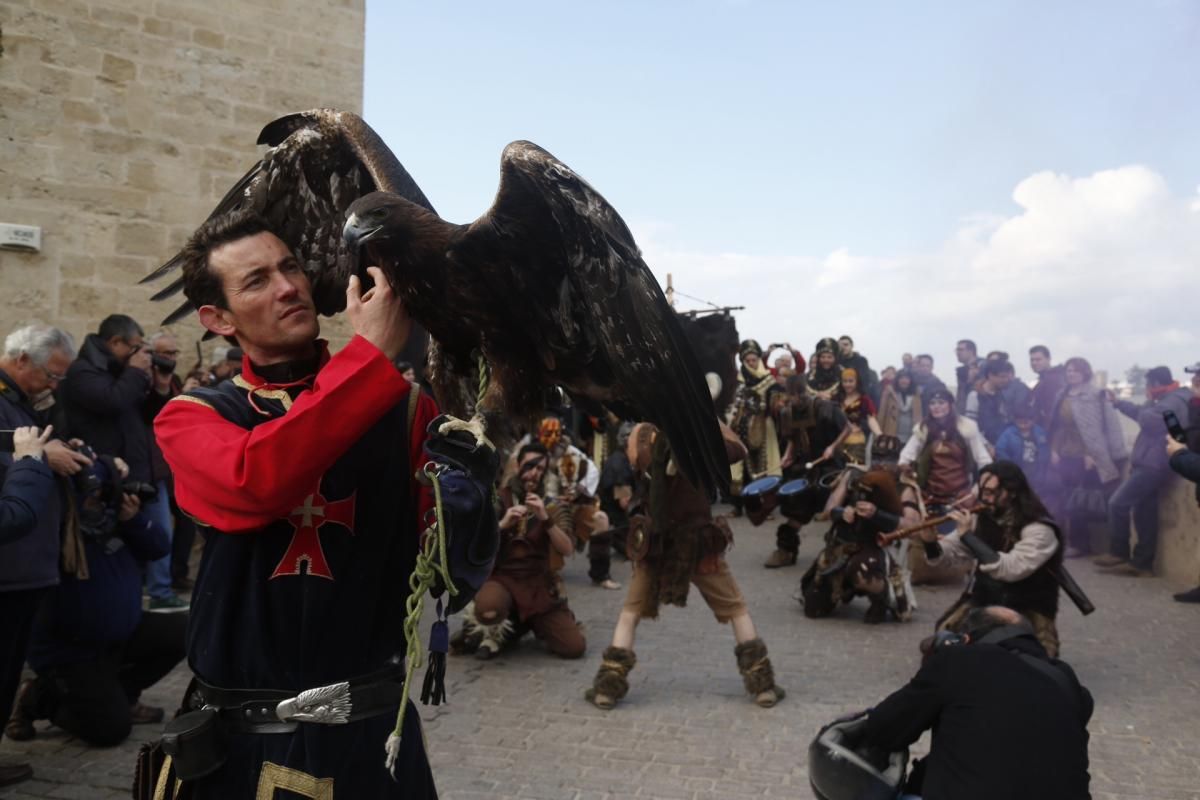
518	727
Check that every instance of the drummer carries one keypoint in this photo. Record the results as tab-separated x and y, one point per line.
862	505
813	430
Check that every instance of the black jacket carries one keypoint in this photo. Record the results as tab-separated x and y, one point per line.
103	401
24	497
1001	728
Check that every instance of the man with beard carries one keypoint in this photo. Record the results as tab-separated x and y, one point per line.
682	545
813	429
825	375
523	579
1051	380
1016	547
848	357
752	420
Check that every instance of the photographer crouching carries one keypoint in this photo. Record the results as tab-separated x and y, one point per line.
1007	719
93	649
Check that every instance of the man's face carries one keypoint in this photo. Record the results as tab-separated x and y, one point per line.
124	348
1038	362
923	367
34	378
826	360
167	347
531	473
785	362
963	353
907	360
1001	379
991	493
1024	425
271	310
845	346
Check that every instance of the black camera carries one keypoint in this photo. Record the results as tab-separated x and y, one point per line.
163	364
1174	428
146	492
87	480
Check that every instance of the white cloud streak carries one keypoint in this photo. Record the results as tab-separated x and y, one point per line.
1100	266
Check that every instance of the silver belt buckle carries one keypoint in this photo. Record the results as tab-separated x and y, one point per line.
327	705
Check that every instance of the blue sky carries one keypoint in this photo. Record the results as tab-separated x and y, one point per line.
757	148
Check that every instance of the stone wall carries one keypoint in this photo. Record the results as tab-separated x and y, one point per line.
122	123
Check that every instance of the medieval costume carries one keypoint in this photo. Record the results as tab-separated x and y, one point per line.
523	593
679	544
305	485
860	412
752	419
812	428
824	374
946	453
852	562
1021	577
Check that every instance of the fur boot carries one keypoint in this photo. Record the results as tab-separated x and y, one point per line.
757	673
494	638
612	679
470	635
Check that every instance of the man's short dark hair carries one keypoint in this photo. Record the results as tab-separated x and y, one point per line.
979	622
844	338
200	284
1040	348
925	356
997	355
1159	376
120	326
532	447
997	367
970	345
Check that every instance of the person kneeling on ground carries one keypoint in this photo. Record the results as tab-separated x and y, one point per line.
1008	720
523	580
93	649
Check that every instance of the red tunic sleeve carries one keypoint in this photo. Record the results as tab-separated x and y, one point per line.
426	410
869	406
238	480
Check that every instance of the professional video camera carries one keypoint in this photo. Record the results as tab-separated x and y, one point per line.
839	768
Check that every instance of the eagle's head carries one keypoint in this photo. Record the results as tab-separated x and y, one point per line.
374	217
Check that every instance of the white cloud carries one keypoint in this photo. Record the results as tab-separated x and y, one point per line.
1101	266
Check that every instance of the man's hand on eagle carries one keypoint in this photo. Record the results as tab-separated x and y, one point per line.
378	315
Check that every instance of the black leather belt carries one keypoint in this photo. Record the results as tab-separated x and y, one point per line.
282	711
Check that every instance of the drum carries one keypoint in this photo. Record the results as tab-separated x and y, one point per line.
760	497
792	498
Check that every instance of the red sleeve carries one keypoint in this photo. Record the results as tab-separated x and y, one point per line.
426	410
868	406
801	367
238	480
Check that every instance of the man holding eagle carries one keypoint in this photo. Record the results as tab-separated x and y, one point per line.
303	467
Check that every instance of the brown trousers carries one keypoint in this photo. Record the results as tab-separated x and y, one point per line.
556	627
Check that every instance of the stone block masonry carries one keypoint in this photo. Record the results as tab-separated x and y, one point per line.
122	123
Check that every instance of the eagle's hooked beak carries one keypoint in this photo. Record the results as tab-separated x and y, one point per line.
358	232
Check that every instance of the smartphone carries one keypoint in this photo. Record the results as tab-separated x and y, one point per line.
1174	428
6	442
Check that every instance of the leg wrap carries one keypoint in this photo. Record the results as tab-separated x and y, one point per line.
755	667
495	636
470	635
612	677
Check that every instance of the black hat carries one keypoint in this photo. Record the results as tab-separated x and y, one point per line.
750	346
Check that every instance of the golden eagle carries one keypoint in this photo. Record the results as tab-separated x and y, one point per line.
548	285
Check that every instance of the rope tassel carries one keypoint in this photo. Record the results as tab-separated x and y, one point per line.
434	690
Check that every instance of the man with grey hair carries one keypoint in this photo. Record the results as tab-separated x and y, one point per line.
35	360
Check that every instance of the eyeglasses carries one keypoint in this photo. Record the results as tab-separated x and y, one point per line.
53	377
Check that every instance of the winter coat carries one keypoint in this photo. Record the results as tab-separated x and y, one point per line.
889	410
1099	427
1149	450
1045	394
1011	447
24	497
30	562
85	617
103	400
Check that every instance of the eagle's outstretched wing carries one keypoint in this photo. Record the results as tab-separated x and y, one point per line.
319	162
601	321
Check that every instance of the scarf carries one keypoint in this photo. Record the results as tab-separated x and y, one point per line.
1155	392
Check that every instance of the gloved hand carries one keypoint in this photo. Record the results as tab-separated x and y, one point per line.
465	474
